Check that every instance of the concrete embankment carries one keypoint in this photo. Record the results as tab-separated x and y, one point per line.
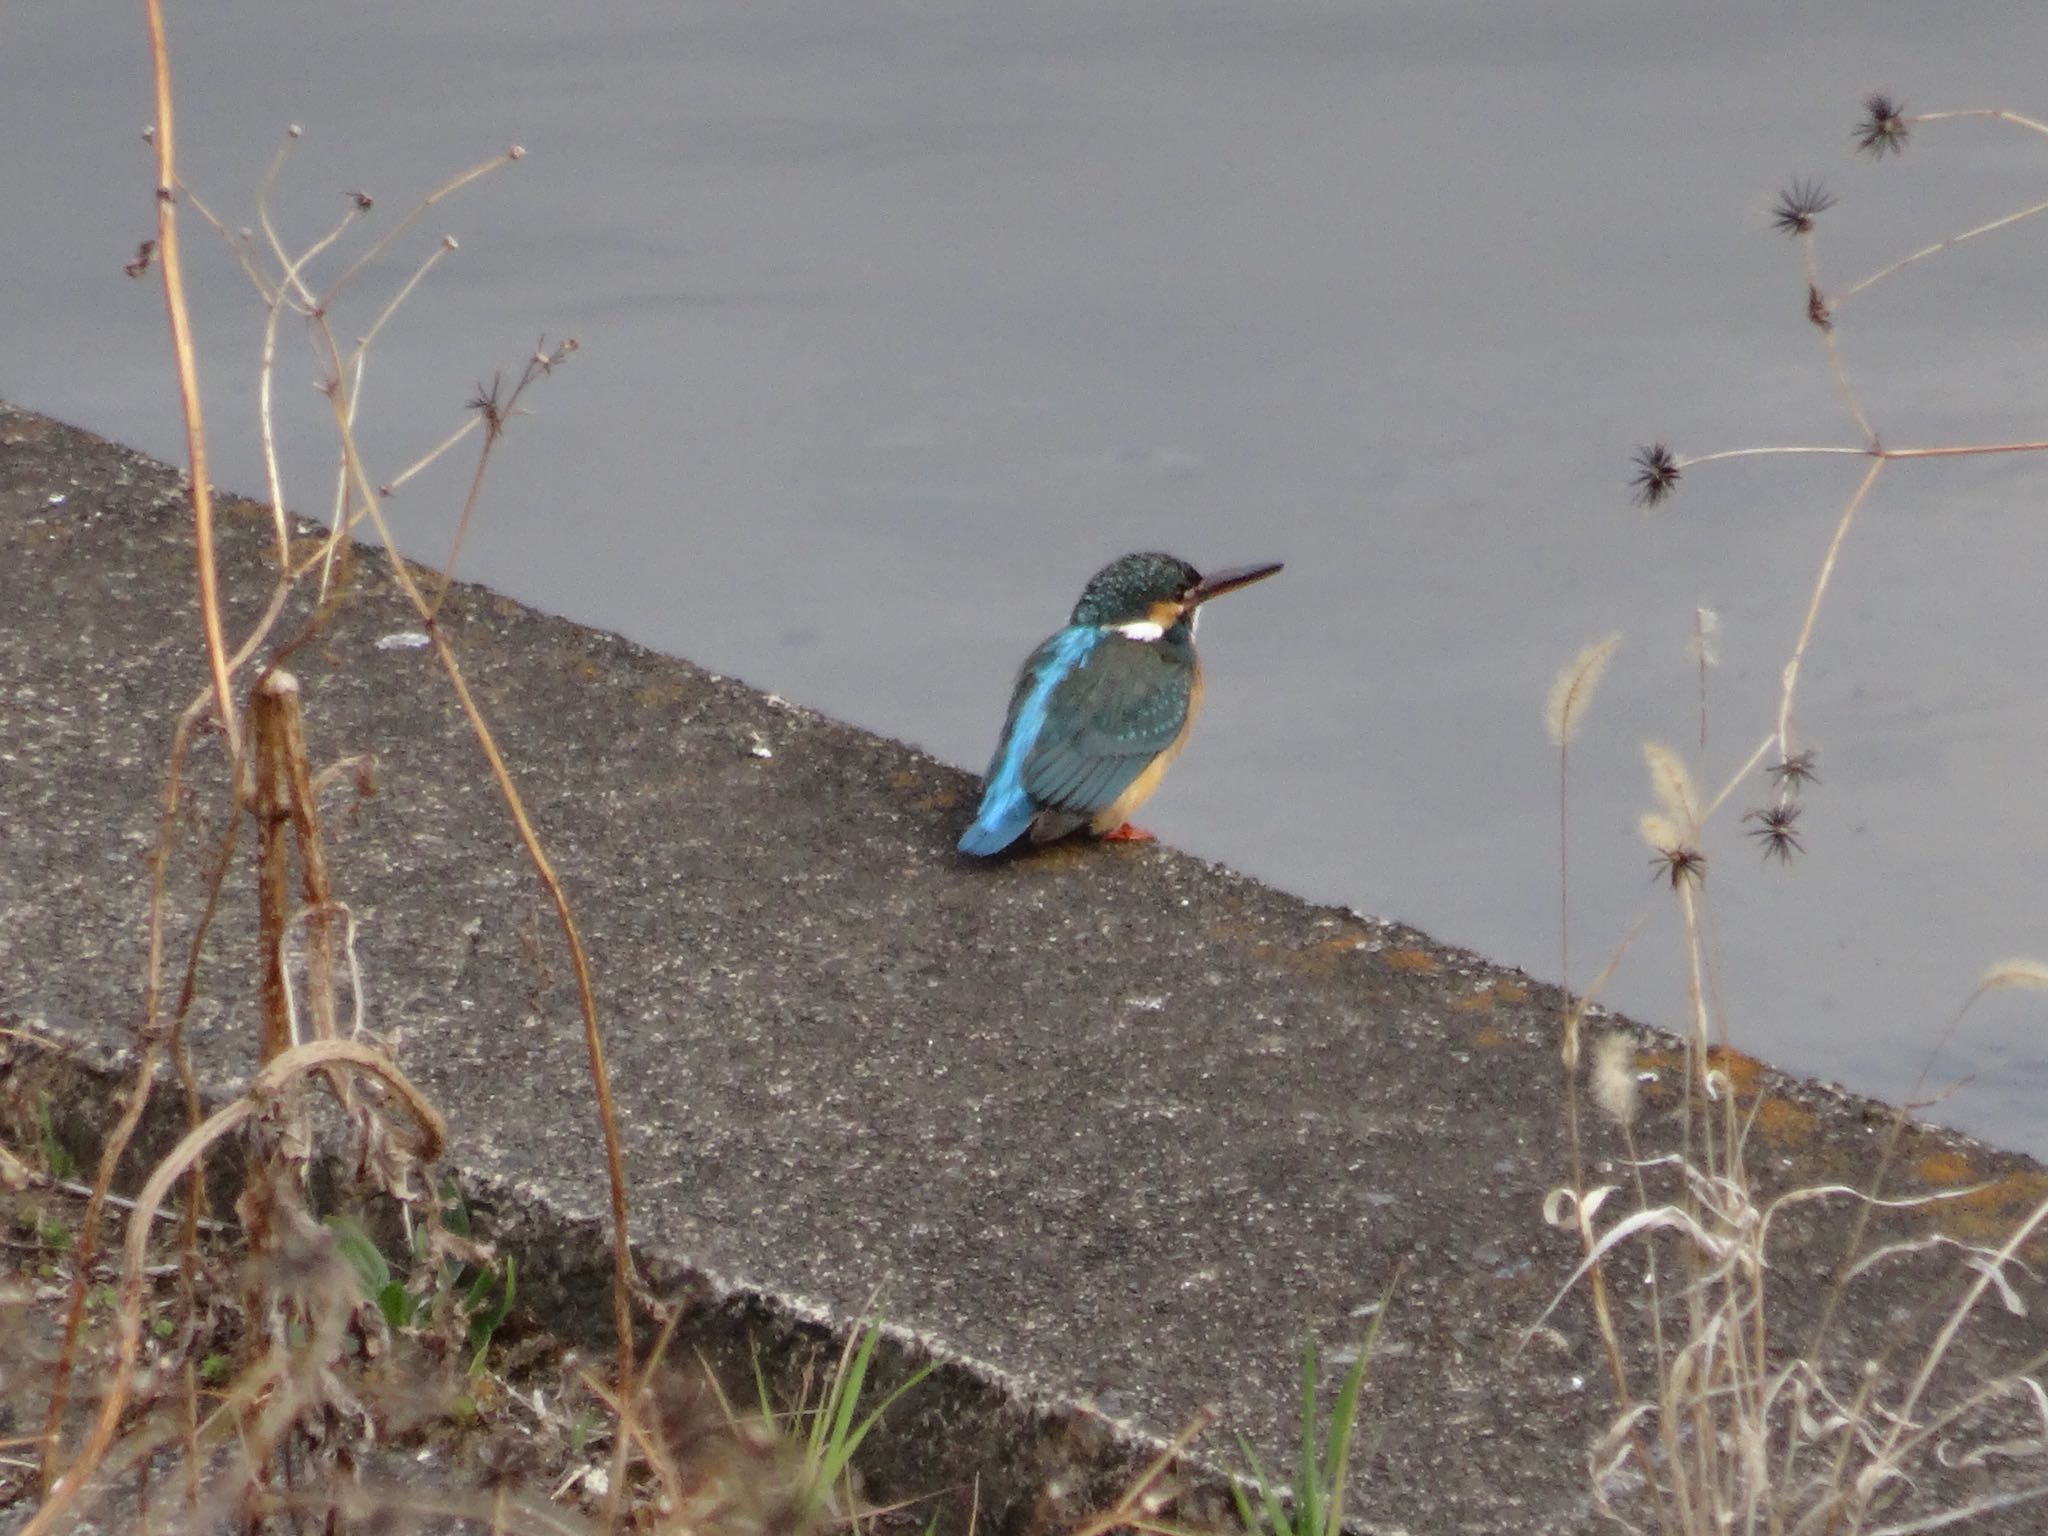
1108	1128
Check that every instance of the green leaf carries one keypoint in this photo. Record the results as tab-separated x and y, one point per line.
56	1156
484	1320
362	1255
398	1305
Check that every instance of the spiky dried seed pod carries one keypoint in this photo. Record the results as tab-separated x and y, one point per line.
1883	128
1795	771
1776	830
1799	205
1678	864
1656	475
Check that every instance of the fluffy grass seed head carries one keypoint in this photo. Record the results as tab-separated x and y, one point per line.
2029	974
1703	644
1671	783
1615	1088
1572	692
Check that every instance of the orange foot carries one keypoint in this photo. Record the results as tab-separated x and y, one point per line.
1129	832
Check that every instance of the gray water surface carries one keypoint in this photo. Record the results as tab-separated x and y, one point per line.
897	320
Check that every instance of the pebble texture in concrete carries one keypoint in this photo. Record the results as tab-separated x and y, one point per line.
1112	1126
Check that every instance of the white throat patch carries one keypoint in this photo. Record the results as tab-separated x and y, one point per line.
1144	629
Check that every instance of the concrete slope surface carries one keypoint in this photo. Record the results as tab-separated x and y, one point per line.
1114	1128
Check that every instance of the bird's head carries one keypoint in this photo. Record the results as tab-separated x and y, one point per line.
1149	594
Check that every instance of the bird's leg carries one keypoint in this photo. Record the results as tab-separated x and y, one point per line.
1129	832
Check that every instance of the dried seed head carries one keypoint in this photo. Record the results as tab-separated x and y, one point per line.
489	403
1678	865
1656	475
1658	831
1883	128
1799	204
1671	783
1706	624
1614	1078
2029	974
1572	692
1673	857
1795	771
1776	830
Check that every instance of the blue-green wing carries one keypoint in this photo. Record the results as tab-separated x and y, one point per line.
1105	721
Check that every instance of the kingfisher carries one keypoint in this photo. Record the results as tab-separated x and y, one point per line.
1101	708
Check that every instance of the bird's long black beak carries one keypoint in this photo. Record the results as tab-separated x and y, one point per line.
1230	580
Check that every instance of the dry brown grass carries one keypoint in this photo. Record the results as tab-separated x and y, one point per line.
1722	1423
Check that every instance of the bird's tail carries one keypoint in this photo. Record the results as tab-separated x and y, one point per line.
1001	822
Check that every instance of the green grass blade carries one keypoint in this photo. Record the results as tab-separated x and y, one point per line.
1344	1419
1308	1482
860	1432
1276	1511
842	1401
761	1385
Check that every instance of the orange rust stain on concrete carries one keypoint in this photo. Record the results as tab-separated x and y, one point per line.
1412	960
2016	1193
1318	959
1490	996
1743	1071
1990	1214
1785	1123
940	800
242	511
1944	1168
903	778
1231	929
1492	1039
657	695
